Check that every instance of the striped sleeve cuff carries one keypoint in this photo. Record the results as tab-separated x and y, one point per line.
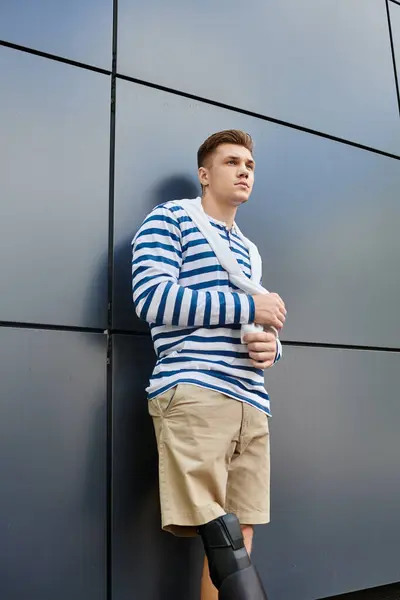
243	308
252	309
278	350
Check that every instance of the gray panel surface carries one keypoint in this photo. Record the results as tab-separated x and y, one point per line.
77	30
395	23
335	494
54	164
387	592
147	563
52	465
303	62
335	487
324	214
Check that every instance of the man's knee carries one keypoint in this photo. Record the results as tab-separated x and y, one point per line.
248	534
247	529
228	559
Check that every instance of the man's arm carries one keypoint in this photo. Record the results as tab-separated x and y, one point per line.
157	296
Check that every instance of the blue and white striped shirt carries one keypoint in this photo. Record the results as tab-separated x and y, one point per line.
195	313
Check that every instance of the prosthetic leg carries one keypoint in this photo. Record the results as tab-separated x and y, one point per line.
231	570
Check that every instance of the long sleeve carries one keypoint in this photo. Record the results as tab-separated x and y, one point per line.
279	350
157	296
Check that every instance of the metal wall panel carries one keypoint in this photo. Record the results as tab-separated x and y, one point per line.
302	62
335	494
52	465
54	164
147	563
80	31
335	486
395	23
323	214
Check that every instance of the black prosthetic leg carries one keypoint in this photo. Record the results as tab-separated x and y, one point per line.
230	566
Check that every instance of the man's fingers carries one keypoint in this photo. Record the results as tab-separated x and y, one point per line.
262	365
279	321
280	317
262	356
281	305
262	346
279	299
270	336
260	336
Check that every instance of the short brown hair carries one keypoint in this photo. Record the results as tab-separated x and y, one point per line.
229	136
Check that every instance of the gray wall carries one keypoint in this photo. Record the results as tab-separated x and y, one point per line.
88	146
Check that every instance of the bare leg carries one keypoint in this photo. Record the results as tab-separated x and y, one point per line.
208	590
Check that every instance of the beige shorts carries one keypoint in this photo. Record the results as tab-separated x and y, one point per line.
214	458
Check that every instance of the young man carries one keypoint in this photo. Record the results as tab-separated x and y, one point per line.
206	394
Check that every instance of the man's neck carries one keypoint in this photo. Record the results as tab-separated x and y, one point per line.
226	214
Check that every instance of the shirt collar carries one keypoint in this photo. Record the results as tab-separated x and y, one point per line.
223	224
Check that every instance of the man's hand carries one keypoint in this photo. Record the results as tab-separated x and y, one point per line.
262	348
270	310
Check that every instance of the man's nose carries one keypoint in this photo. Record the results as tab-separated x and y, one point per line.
243	172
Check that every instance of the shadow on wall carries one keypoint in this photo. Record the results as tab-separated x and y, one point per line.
173	188
146	560
124	317
143	555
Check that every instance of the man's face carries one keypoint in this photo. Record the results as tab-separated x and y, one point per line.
229	174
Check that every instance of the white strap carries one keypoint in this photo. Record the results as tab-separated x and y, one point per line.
227	259
224	254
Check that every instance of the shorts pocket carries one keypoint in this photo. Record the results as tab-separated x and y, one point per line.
162	404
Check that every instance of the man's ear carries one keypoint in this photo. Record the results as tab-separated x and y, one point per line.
203	176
